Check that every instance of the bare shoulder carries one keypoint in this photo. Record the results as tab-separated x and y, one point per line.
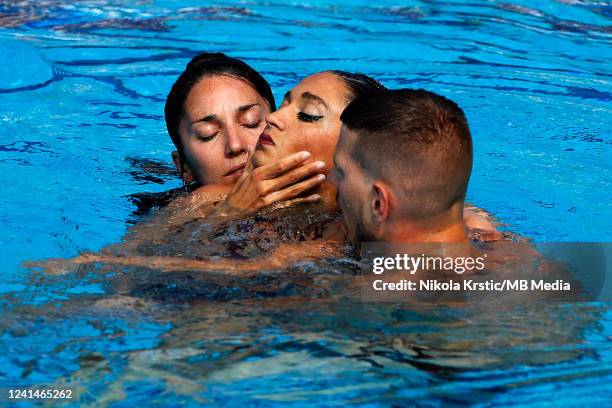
475	220
212	192
185	205
204	194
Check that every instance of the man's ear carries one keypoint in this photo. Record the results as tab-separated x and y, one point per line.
182	167
381	202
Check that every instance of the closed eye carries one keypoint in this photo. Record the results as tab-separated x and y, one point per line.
207	138
305	117
252	125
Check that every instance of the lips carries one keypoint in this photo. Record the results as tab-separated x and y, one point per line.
236	170
265	139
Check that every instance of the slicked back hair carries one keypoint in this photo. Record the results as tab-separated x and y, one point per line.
209	64
358	84
416	141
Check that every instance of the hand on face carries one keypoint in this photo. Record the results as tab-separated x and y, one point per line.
289	178
308	120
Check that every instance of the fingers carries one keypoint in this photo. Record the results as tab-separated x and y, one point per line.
245	176
283	166
294	190
291	177
249	164
313	198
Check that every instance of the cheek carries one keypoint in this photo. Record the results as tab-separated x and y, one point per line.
298	141
309	137
252	135
356	197
324	143
347	199
205	159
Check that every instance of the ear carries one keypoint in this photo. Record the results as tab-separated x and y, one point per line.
182	167
381	202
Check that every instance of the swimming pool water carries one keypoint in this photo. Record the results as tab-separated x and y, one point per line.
82	89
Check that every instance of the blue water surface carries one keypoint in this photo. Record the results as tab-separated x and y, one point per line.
82	90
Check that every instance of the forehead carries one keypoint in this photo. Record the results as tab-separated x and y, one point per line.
218	92
325	85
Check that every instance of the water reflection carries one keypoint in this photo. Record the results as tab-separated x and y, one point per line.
263	349
175	334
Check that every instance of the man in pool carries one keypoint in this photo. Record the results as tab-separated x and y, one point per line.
402	167
428	188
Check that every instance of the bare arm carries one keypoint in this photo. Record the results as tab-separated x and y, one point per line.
282	257
256	188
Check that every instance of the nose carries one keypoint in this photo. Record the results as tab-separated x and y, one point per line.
236	142
274	119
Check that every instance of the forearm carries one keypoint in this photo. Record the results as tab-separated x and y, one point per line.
281	258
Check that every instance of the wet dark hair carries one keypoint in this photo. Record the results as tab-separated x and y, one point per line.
359	85
415	140
205	65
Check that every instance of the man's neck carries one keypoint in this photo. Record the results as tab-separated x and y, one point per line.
446	227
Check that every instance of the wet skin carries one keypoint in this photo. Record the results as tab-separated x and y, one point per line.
308	119
223	118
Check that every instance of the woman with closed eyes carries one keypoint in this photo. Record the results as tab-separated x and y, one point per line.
298	141
294	152
215	113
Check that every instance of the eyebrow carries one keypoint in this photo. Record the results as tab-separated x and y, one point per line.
247	107
209	118
308	95
305	95
213	117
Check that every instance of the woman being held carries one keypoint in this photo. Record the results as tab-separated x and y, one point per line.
291	159
298	140
306	127
215	113
292	156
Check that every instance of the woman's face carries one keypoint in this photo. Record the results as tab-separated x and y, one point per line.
223	117
308	119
